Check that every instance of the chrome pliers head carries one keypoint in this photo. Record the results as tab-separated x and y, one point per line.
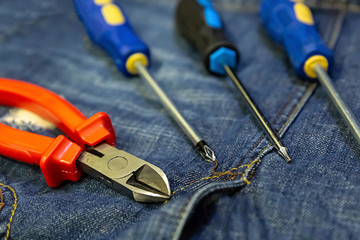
126	173
91	150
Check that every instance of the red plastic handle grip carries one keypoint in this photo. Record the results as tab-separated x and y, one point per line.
56	157
58	111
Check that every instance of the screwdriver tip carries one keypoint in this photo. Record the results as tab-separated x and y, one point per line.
206	152
284	154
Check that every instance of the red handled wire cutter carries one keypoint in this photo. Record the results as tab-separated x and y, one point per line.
91	151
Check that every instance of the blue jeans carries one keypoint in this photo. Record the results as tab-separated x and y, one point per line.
251	194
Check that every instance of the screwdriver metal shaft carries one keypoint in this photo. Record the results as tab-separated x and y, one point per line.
206	152
342	107
260	117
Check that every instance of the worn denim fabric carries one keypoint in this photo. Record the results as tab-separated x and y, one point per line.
252	194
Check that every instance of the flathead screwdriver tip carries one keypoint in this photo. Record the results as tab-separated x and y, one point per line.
206	152
283	152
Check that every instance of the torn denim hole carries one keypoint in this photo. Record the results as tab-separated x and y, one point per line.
25	120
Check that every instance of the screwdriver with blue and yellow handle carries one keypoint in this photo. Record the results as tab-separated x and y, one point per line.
291	24
109	28
201	25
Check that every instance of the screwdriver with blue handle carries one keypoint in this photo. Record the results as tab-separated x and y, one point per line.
109	28
290	23
201	25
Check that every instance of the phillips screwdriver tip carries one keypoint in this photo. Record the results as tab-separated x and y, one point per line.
283	152
206	152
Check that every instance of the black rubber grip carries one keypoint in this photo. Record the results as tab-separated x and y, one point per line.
191	23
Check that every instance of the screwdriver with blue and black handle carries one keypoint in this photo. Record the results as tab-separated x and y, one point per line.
291	24
201	25
109	28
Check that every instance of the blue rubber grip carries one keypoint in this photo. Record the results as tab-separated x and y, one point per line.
119	40
299	37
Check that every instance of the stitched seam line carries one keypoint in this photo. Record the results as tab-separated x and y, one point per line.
278	115
310	88
14	208
249	165
185	205
219	174
259	140
1	200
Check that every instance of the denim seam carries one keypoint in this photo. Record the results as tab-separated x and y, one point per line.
180	215
274	121
14	208
249	166
310	88
1	200
252	166
194	198
250	171
267	149
278	115
234	184
229	172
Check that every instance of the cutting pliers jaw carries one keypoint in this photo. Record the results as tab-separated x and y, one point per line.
125	173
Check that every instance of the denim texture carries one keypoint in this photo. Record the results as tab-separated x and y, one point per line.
252	194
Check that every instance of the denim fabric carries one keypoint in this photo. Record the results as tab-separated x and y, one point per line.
252	194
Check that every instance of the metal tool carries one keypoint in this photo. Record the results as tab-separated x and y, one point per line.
92	150
109	28
202	26
308	54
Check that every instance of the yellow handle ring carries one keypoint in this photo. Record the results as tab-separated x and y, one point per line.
309	66
130	62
